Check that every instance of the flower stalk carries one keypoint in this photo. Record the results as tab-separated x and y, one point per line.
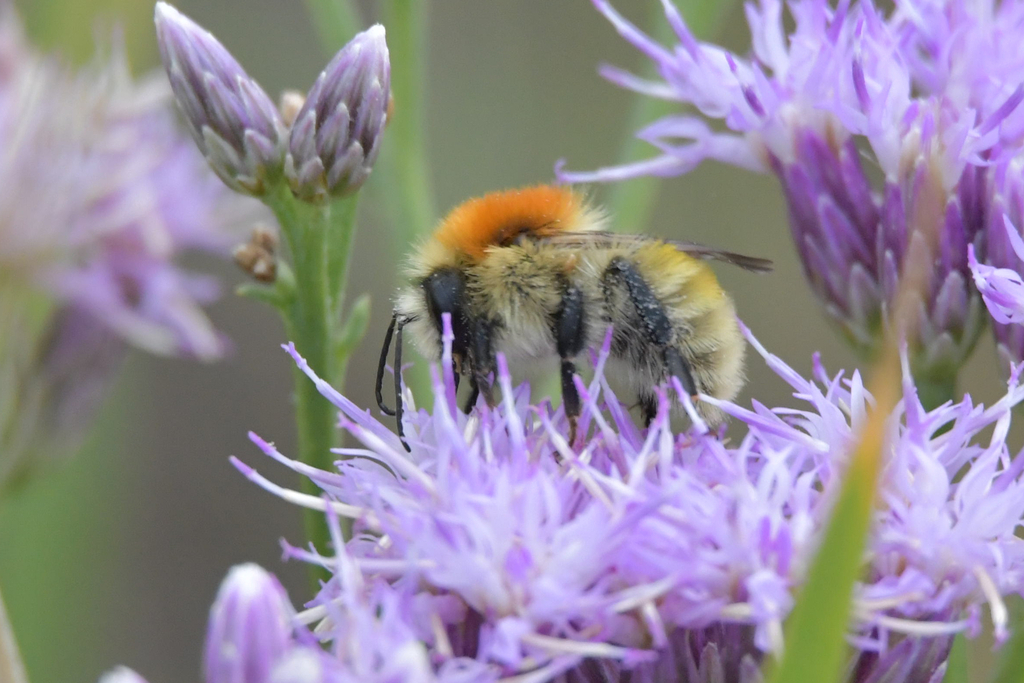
319	238
307	165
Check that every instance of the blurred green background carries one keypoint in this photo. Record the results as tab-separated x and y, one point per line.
116	556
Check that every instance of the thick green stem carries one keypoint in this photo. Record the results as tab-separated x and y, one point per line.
319	239
340	229
308	321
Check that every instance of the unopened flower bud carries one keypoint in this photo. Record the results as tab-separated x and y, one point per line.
336	136
250	627
234	122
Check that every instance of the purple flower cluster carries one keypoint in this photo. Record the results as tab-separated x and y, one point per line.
507	554
101	194
893	134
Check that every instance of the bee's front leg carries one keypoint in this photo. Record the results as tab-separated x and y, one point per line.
482	360
569	330
474	394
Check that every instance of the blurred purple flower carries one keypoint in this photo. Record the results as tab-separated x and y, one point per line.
337	133
101	194
254	636
657	552
890	134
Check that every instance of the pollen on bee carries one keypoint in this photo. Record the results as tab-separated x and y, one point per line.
499	218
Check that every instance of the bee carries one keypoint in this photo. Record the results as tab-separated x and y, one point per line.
533	273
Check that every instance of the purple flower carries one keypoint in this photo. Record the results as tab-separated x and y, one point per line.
656	552
250	627
232	119
928	94
336	136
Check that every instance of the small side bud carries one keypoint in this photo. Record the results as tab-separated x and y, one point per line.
257	257
290	105
250	627
230	117
336	136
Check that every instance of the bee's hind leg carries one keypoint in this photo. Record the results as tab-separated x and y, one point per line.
657	327
678	367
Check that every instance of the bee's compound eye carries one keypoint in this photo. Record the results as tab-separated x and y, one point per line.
445	292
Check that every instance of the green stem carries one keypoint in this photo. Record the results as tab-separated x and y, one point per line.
308	322
340	230
936	389
335	22
403	155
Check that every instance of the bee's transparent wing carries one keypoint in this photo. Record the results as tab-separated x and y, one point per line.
604	239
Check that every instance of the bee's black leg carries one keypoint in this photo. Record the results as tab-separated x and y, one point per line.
570	337
474	394
483	360
678	367
398	384
379	388
656	323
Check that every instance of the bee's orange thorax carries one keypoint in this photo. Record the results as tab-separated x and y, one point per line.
498	218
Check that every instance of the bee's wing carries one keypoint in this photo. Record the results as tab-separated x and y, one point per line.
604	239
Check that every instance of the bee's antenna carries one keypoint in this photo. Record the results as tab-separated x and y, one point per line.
398	381
380	367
